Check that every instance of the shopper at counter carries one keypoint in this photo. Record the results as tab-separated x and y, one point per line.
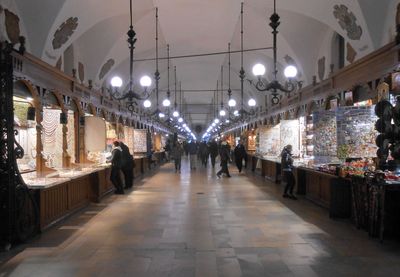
116	165
224	153
287	168
127	163
240	155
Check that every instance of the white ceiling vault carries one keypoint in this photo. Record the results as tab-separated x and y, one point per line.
305	36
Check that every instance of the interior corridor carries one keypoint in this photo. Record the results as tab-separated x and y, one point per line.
194	224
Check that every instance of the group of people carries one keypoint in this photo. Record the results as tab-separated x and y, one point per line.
121	161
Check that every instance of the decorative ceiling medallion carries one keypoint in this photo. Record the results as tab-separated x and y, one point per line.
321	68
12	26
81	72
106	68
64	32
351	53
347	20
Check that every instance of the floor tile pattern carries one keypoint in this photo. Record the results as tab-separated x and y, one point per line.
193	224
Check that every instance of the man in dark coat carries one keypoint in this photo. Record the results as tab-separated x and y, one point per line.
203	151
128	164
193	149
240	154
116	165
213	149
224	153
287	168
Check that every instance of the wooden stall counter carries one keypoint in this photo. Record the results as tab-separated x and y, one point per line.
271	169
324	189
68	192
327	190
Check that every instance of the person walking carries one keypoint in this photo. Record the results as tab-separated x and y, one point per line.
240	154
213	150
287	168
176	154
116	164
127	165
167	150
203	151
192	149
224	154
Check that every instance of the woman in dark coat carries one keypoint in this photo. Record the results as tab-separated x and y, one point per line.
287	168
225	156
213	150
128	164
116	165
240	154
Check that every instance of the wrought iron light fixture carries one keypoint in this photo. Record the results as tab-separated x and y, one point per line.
242	113
290	71
130	96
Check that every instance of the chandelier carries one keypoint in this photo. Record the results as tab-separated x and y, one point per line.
243	113
290	71
116	82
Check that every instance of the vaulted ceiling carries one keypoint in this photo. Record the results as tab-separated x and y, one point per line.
93	33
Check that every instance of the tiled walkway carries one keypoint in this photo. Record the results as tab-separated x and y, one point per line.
194	224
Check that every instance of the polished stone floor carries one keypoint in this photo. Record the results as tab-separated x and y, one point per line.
194	224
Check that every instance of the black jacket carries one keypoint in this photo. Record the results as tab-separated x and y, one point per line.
116	157
126	157
240	152
192	147
224	153
213	148
286	160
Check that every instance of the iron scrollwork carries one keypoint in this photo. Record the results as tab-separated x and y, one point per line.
18	209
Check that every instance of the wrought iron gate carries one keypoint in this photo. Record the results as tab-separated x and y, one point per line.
18	210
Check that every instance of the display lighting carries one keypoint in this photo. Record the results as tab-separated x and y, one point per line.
232	102
236	113
216	121
213	124
166	102
258	70
116	82
175	114
222	113
184	125
252	102
290	71
161	115
145	81
227	121
180	120
147	103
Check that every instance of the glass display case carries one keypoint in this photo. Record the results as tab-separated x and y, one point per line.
25	125
52	138
140	141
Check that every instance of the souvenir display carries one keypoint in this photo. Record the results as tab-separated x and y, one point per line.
52	138
325	138
128	137
290	134
71	136
140	141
